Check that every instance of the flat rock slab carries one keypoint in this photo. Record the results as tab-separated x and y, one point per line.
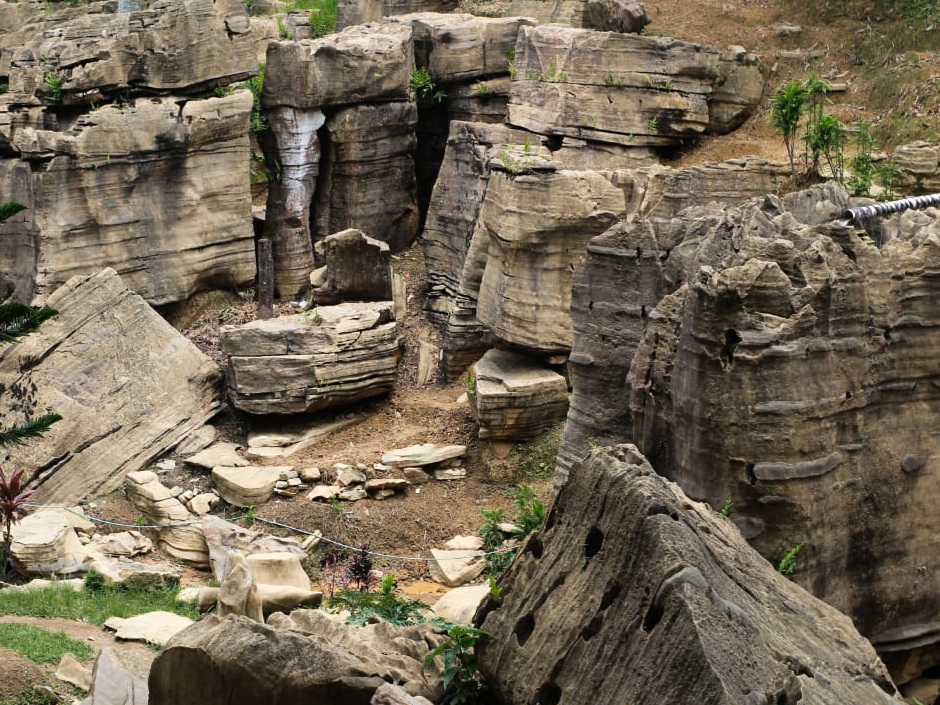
127	384
152	627
279	568
460	604
455	568
422	454
516	397
45	544
218	454
245	486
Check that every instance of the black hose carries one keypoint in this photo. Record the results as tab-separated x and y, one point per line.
866	213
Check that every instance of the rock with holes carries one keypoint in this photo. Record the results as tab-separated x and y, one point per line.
786	371
217	661
329	356
515	397
634	593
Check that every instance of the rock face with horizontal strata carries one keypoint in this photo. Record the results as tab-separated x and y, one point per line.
793	372
329	356
633	593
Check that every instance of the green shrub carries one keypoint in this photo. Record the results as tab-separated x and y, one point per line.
384	604
786	111
460	676
788	563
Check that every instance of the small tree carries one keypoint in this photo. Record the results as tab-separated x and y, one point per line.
786	113
12	506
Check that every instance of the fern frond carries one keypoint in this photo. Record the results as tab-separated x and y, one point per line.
17	320
31	428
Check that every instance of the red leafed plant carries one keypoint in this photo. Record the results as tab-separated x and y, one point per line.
12	506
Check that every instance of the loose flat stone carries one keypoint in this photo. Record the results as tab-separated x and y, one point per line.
422	454
225	454
245	486
386	483
416	476
460	604
450	473
153	627
324	492
464	543
347	475
454	568
353	494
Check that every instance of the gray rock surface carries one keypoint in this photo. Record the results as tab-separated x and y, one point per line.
223	537
112	684
616	16
126	383
356	268
633	593
217	661
183	537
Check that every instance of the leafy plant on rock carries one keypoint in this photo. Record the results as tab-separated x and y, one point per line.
786	108
459	674
422	87
787	564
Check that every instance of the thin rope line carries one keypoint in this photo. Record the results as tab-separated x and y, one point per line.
272	522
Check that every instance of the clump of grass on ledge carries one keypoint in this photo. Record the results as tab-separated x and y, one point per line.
93	606
41	645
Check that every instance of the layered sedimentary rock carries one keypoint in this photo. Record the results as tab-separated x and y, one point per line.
329	356
362	176
95	50
127	385
153	187
353	12
628	89
155	190
356	268
368	173
515	397
632	593
537	226
627	270
794	373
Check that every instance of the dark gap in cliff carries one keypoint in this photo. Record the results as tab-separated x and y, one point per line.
887	334
553	142
610	595
593	542
593	628
320	207
431	134
751	476
732	339
524	628
535	547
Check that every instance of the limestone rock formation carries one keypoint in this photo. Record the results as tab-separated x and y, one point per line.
151	627
624	16
217	661
238	594
113	684
223	537
328	356
537	227
184	538
356	268
515	397
45	544
633	593
248	486
790	372
127	385
626	272
656	90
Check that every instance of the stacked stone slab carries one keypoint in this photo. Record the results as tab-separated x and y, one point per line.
328	356
152	187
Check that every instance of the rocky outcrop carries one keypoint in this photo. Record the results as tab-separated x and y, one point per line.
44	544
328	356
154	187
355	84
127	385
514	397
655	91
626	272
633	593
616	16
790	373
218	661
537	226
353	12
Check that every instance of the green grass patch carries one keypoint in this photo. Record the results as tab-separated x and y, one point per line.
322	14
537	457
93	607
41	645
30	697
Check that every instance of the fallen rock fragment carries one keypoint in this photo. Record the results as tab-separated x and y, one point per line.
152	627
422	454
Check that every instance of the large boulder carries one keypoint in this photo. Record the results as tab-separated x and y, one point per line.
328	356
127	385
633	593
356	268
44	544
309	656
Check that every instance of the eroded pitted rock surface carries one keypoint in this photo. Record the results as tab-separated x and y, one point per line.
792	372
634	593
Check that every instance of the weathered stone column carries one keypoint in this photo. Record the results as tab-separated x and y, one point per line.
296	149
